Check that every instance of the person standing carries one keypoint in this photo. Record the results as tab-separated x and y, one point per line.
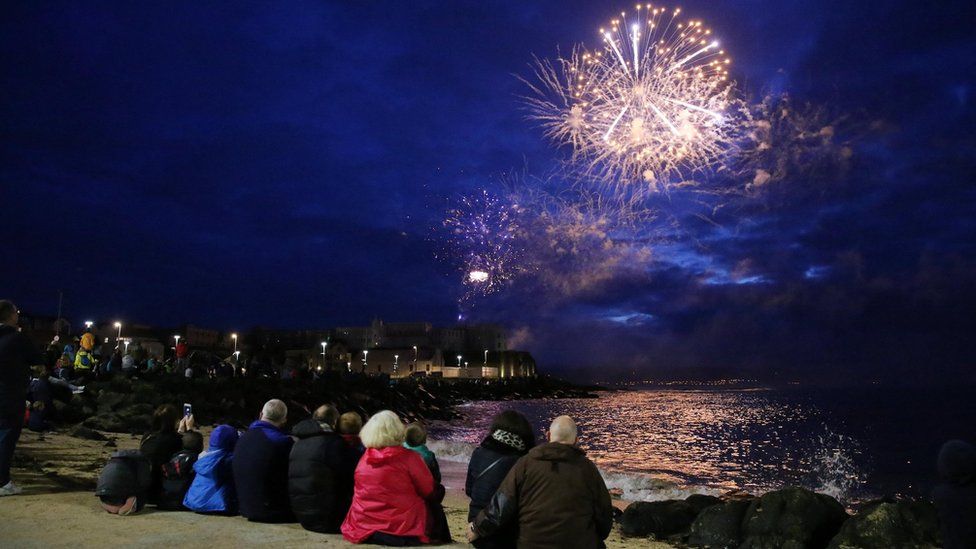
17	355
554	494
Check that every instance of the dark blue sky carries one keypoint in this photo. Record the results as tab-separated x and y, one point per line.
283	164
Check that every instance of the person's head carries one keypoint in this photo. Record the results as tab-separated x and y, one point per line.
8	313
350	423
563	430
415	434
957	462
512	429
38	370
165	418
224	437
327	414
275	412
193	442
382	430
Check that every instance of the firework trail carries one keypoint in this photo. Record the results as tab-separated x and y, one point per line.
652	106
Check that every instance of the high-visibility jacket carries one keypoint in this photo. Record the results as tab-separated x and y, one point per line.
84	360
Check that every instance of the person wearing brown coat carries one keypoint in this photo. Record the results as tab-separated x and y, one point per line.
554	494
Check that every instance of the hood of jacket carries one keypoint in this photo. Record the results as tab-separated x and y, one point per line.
272	431
307	428
381	456
224	437
556	451
957	462
421	449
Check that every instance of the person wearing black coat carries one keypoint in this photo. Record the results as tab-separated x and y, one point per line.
261	467
509	438
955	496
159	445
320	472
17	355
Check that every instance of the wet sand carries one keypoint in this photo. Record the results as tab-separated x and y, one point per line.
58	507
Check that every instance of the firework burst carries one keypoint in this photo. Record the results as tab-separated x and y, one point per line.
486	238
652	106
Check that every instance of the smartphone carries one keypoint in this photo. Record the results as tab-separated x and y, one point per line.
187	409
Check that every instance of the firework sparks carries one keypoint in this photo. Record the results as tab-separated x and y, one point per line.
653	105
485	235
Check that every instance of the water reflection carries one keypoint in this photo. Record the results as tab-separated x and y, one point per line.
720	440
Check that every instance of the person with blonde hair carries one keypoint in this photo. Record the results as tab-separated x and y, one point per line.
392	485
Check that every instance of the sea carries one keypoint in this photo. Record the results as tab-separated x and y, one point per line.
855	444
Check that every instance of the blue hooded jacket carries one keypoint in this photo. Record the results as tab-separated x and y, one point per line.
212	490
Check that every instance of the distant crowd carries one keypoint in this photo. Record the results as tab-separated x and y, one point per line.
376	482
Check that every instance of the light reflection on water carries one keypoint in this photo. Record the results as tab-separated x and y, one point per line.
694	440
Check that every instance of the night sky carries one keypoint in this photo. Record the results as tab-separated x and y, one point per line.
289	164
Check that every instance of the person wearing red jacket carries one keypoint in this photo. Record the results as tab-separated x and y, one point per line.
391	486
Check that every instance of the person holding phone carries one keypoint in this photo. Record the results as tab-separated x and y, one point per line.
165	439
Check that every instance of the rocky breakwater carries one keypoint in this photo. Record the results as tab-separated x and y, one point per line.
791	518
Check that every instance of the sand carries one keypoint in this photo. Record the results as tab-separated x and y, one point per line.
58	507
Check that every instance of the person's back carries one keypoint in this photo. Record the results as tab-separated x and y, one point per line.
17	355
955	497
124	482
212	489
320	475
261	471
178	472
416	440
555	494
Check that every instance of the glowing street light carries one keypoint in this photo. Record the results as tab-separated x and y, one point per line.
177	338
414	367
486	358
324	345
396	362
459	361
234	337
88	323
126	343
349	366
365	360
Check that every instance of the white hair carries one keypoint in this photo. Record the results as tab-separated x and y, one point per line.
563	429
274	411
382	430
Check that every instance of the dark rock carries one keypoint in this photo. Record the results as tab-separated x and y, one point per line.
701	501
719	525
108	401
81	431
111	444
902	525
791	518
107	422
657	518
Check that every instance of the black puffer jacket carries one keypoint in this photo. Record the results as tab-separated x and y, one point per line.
17	355
127	474
489	464
158	448
320	477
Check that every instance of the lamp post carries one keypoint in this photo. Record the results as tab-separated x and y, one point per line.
324	345
234	337
126	343
177	338
486	358
365	358
414	367
88	323
459	361
118	337
396	363
349	366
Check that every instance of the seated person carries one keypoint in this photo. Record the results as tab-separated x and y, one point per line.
320	472
212	489
350	423
159	445
416	440
178	472
124	482
261	467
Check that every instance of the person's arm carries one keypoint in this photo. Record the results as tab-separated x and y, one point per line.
503	507
603	507
469	480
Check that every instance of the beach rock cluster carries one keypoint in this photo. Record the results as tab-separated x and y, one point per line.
126	405
791	518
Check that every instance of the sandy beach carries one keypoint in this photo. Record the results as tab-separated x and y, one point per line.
58	507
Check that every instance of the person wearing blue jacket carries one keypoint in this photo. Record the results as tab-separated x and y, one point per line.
212	489
261	467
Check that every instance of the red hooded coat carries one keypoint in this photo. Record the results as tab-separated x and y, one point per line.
391	485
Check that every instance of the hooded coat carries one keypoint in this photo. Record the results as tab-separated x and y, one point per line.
261	473
955	497
212	489
126	474
391	485
557	498
320	477
489	465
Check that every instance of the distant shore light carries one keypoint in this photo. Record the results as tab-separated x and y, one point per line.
477	276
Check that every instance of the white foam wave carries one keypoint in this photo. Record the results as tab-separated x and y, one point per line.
451	451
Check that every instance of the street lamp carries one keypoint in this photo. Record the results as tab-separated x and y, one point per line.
349	366
119	336
177	338
324	345
88	323
234	337
486	358
365	360
459	361
414	367
126	343
396	362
